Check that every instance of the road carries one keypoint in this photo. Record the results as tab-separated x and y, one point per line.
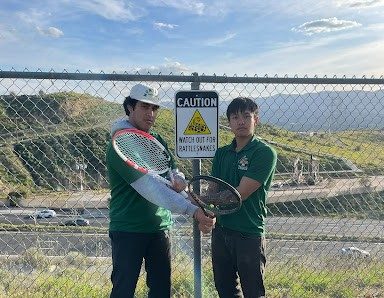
98	244
18	216
319	226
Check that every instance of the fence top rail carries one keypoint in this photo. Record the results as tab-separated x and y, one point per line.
187	78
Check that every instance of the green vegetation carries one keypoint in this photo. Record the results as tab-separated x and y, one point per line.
51	228
35	275
44	136
363	148
336	277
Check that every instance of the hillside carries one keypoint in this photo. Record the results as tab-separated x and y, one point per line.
45	113
46	138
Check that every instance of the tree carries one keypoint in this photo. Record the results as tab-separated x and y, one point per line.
15	198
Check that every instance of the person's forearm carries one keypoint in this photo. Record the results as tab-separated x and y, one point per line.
161	195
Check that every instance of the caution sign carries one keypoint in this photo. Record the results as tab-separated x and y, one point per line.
196	123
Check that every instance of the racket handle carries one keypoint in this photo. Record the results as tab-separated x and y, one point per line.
201	206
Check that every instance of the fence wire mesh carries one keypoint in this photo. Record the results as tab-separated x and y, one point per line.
325	228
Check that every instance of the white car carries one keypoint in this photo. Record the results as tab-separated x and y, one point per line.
354	251
46	213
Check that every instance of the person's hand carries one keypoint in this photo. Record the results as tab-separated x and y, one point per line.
206	223
178	181
179	184
205	229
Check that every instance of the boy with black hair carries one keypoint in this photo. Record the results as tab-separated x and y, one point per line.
238	242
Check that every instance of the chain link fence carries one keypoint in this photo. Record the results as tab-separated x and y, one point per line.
325	224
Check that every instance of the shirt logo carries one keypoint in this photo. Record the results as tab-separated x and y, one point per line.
243	163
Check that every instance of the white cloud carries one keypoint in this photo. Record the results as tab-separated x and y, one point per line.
33	16
116	10
186	5
162	26
34	19
312	57
366	3
220	40
360	3
169	67
7	34
325	25
50	31
378	27
356	60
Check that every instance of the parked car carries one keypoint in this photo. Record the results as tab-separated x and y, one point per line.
354	251
77	222
30	216
46	213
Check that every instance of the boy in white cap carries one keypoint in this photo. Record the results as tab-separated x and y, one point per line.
140	209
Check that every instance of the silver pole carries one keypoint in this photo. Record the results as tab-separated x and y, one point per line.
196	170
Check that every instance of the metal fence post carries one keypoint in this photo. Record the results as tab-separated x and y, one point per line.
196	170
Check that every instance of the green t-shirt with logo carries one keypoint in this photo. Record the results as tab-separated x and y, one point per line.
128	210
257	160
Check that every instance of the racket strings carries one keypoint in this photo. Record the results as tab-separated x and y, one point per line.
143	152
224	197
215	196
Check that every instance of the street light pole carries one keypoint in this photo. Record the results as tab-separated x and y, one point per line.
81	166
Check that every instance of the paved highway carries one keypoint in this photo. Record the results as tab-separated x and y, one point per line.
282	225
98	245
18	216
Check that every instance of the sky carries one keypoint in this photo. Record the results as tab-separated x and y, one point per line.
222	37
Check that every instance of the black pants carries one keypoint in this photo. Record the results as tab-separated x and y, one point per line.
128	252
238	261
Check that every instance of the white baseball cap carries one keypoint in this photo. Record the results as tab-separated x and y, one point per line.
145	93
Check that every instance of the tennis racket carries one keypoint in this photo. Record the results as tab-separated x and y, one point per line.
214	194
144	153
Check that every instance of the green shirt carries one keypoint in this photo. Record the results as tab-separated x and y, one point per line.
128	210
257	161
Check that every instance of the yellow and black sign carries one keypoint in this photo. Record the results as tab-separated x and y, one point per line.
197	125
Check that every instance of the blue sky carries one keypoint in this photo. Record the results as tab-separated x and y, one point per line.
307	37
